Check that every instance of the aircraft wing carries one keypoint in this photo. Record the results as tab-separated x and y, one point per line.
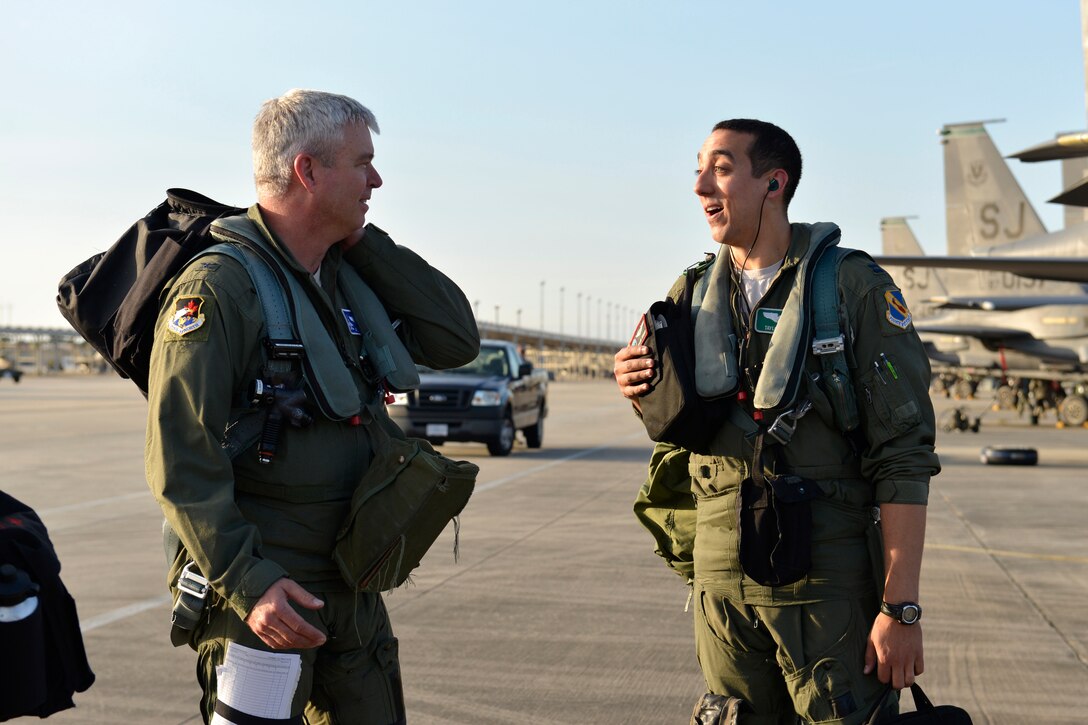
1066	146
1004	304
982	332
1060	269
1076	195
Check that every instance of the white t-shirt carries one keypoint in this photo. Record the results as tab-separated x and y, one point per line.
756	282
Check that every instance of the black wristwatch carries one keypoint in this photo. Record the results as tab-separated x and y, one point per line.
904	612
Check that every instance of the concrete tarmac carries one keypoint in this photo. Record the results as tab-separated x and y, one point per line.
557	610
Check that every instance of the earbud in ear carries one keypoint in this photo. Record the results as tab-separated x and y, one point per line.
773	186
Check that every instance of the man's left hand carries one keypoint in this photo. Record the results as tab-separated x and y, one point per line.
895	650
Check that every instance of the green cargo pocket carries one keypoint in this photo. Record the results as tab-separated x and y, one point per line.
665	507
833	687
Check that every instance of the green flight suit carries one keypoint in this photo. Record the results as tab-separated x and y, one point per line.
800	647
248	524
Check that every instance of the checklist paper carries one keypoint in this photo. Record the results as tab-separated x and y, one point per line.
260	684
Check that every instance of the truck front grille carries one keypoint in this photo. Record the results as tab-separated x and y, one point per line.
442	398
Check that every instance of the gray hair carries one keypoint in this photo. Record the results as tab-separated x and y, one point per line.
300	122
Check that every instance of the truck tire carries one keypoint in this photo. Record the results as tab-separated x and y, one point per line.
1073	410
534	434
503	443
1009	456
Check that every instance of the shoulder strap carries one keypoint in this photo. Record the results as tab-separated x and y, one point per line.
284	346
829	342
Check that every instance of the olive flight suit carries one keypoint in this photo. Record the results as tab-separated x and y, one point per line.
247	524
799	648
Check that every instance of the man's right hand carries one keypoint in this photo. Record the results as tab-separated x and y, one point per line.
278	624
633	368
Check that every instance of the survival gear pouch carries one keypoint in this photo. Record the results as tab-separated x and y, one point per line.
112	299
673	411
402	503
775	521
666	508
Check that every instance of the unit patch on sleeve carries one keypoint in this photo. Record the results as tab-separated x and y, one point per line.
897	313
188	316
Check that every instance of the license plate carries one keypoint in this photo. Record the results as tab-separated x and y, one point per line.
438	430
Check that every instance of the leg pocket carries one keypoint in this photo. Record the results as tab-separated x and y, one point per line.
737	657
358	683
830	686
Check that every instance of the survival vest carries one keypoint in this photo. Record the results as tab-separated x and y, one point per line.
697	375
664	504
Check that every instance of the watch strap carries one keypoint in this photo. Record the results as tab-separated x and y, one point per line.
895	611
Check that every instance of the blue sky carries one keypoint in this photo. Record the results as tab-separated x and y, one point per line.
520	142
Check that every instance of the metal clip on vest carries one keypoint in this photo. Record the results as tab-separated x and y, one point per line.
192	592
784	425
284	349
829	346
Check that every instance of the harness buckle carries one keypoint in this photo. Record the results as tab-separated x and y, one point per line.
285	349
829	345
192	583
784	425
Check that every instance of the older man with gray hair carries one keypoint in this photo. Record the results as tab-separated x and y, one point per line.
261	528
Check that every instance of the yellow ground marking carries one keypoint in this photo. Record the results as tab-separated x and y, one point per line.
1014	554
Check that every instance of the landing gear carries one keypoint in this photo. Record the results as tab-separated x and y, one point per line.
1073	410
956	419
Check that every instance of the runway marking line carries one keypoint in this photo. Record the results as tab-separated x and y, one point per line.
551	464
131	610
125	612
1012	554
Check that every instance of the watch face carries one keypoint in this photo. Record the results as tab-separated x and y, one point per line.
910	614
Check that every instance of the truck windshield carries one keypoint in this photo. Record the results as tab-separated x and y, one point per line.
490	361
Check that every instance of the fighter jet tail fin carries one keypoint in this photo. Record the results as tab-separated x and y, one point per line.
917	283
986	206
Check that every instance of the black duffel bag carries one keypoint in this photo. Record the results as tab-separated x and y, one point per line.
926	712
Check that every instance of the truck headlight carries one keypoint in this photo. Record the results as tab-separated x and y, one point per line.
487	397
400	399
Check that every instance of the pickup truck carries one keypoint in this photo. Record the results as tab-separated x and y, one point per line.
487	401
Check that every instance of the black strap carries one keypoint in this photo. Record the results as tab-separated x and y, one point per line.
921	703
240	718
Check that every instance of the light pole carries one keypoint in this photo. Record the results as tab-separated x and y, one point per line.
476	307
578	326
496	314
589	314
561	290
541	306
519	317
599	334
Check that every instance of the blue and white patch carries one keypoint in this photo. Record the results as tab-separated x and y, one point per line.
898	313
350	319
187	315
